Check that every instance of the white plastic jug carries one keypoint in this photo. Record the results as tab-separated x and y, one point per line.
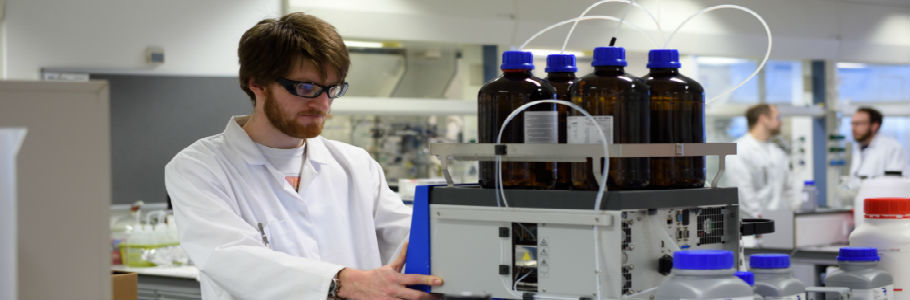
879	187
887	228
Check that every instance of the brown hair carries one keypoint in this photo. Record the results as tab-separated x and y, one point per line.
273	47
875	116
756	111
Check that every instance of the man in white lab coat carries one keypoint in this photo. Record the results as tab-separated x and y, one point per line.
269	209
873	154
761	169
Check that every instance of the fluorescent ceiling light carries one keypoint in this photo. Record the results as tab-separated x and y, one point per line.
851	66
715	60
362	44
545	52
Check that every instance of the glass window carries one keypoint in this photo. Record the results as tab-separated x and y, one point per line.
783	82
873	83
783	79
717	74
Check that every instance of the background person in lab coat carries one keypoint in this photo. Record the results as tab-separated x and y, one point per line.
269	209
761	169
873	154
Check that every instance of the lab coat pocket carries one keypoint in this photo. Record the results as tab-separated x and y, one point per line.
289	237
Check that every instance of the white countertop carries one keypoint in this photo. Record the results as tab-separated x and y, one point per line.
187	272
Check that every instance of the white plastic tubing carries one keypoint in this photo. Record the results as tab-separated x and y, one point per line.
602	184
600	191
760	65
666	42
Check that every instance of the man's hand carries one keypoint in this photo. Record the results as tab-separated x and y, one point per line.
386	282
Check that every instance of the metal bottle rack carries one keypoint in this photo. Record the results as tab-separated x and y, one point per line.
576	153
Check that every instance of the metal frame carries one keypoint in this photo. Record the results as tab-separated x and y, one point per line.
577	153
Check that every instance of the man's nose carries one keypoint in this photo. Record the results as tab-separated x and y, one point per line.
322	103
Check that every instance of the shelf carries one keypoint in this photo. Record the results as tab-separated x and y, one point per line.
576	153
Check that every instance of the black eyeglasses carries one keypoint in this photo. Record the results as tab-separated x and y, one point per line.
311	89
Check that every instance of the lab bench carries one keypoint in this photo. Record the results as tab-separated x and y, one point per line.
166	282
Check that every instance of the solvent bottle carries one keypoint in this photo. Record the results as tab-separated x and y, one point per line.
620	105
536	125
677	116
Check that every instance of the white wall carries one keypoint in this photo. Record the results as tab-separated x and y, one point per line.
199	37
874	31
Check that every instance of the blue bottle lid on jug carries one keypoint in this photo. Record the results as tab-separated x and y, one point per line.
769	261
609	57
561	63
703	260
858	254
746	276
517	60
663	59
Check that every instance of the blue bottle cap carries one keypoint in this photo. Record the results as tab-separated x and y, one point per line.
609	56
810	182
703	260
858	254
663	59
517	60
769	261
561	63
746	276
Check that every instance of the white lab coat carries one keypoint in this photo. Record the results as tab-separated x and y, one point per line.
344	215
883	154
761	172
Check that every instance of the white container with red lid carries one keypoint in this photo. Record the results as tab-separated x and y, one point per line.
887	227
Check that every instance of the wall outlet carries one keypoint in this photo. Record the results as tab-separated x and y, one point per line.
154	55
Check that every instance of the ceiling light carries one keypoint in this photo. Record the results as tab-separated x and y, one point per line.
851	66
715	60
362	44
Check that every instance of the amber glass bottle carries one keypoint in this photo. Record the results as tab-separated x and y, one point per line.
620	103
561	74
538	124
677	116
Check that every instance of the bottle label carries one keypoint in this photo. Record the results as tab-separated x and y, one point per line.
881	293
733	298
580	130
799	296
541	127
894	260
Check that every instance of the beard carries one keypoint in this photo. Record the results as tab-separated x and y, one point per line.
862	137
289	126
775	131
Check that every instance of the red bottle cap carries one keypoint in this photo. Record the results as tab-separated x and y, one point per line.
887	208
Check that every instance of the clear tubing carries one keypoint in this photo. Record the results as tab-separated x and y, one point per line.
586	18
602	183
603	179
515	286
633	3
760	65
625	14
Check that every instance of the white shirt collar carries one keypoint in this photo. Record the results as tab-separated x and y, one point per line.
240	141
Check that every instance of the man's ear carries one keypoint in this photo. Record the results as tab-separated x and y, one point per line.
764	118
875	127
257	89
